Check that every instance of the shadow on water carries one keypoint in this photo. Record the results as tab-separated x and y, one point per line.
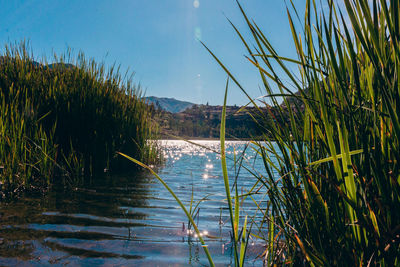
86	223
124	220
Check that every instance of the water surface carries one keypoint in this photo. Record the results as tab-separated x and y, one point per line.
132	220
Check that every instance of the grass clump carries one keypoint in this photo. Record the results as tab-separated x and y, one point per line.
67	120
336	197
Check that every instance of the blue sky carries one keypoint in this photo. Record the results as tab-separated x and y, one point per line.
156	39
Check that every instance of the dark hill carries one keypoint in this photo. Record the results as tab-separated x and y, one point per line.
52	66
203	121
169	104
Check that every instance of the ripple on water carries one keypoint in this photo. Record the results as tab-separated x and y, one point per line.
132	220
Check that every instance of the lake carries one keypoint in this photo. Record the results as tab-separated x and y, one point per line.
132	220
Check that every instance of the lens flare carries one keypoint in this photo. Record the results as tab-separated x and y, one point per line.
196	3
197	33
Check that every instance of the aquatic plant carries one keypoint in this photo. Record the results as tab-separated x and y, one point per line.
332	148
239	237
336	197
67	120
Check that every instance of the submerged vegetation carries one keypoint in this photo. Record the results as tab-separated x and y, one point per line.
63	122
332	171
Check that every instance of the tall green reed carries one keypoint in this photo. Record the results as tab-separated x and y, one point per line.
240	238
331	156
336	149
68	119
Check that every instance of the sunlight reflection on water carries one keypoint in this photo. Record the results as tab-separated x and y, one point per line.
133	220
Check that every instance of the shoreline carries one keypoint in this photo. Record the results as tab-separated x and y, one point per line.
206	139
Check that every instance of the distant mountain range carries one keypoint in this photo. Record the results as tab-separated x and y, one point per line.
169	104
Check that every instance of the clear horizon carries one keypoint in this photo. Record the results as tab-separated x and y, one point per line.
157	40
